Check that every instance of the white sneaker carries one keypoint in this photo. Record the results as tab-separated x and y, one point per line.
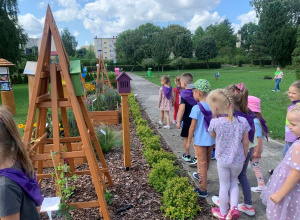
160	123
173	122
257	189
216	201
273	90
166	127
248	210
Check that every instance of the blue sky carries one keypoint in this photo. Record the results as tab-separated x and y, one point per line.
106	18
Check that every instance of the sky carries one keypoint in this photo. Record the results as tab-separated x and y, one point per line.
86	19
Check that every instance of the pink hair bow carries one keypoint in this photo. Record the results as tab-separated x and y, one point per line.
240	86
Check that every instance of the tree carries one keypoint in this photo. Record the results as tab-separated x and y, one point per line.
296	55
80	52
222	34
11	33
175	30
148	62
198	34
183	46
160	48
248	35
69	42
90	53
206	49
179	62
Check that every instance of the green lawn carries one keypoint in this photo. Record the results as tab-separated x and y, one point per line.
273	105
21	100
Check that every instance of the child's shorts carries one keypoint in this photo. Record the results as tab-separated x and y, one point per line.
185	128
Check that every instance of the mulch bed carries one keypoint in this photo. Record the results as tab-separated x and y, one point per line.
130	187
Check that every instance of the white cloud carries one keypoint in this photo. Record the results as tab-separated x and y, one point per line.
248	17
108	18
76	33
32	25
204	19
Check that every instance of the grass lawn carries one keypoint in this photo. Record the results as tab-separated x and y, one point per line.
274	105
21	100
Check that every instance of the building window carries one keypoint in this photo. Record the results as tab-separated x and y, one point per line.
104	42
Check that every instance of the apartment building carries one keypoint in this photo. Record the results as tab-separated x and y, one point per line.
106	47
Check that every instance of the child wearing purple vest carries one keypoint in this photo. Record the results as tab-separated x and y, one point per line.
165	100
203	143
19	191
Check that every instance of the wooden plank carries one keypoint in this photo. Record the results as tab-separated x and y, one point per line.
61	104
64	139
45	75
37	142
42	98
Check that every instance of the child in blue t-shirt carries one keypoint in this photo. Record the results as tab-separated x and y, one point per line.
203	142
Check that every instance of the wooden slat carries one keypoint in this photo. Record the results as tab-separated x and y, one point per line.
64	139
37	143
61	104
47	68
45	75
42	98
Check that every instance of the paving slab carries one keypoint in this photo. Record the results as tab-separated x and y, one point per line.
147	94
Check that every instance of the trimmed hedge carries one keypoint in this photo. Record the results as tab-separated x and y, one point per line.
179	200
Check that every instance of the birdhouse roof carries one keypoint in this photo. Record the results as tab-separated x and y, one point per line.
75	66
4	62
122	75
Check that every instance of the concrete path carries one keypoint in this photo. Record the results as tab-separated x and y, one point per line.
147	94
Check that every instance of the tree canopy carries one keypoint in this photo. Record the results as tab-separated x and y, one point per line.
206	49
69	42
11	33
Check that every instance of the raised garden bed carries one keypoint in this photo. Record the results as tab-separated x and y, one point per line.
105	117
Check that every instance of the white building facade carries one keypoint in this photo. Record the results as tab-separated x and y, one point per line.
106	47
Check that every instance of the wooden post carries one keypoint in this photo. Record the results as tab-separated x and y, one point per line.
126	130
8	100
30	85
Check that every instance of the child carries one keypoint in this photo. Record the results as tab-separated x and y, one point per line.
294	95
239	94
165	100
261	130
290	137
19	192
176	90
278	77
217	75
232	143
186	104
203	142
282	193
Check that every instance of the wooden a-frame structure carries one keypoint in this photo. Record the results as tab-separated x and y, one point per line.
42	99
101	69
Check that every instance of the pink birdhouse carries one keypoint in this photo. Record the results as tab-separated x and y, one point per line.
123	81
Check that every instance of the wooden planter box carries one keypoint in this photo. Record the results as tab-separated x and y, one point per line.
105	117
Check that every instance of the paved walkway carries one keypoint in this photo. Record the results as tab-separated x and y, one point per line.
147	94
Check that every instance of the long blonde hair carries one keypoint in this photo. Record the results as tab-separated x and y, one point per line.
11	145
223	101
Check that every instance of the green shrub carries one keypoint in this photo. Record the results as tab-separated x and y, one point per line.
140	121
144	131
179	199
155	156
111	139
162	171
152	143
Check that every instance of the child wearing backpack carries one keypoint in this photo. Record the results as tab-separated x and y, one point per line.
203	142
165	100
19	191
232	144
186	104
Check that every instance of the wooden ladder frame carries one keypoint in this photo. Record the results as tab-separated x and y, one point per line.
101	69
41	100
